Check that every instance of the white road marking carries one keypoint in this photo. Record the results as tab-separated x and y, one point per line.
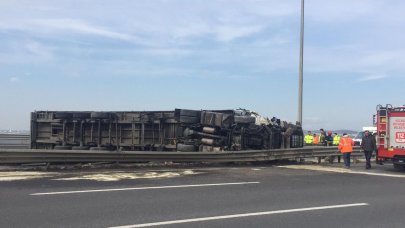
242	215
143	188
339	170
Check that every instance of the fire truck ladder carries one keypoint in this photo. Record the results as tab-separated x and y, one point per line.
383	125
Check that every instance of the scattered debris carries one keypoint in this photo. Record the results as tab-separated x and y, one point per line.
128	176
23	175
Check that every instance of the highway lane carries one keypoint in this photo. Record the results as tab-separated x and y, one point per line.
254	198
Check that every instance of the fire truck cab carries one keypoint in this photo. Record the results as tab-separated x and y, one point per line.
390	136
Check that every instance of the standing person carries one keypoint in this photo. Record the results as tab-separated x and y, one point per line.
336	139
368	145
309	138
322	137
329	139
329	142
346	148
316	139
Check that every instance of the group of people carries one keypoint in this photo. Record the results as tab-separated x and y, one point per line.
345	144
323	138
368	145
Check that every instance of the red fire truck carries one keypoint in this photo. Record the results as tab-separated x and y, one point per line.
390	139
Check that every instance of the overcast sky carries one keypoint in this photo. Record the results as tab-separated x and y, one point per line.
199	54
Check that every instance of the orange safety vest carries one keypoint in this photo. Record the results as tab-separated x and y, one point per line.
346	145
316	140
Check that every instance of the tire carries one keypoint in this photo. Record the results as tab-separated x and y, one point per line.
63	115
245	119
80	148
100	115
189	119
81	115
62	148
186	148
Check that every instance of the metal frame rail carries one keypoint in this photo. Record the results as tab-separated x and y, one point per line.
20	156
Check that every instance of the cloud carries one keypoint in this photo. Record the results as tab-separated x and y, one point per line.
354	59
166	51
341	11
39	50
78	26
229	33
26	51
372	77
222	32
14	79
387	59
64	25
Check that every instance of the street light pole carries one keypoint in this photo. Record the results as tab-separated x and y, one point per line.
301	80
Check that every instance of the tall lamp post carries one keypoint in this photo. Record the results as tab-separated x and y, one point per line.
301	80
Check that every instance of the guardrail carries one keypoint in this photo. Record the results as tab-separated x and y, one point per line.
14	141
19	156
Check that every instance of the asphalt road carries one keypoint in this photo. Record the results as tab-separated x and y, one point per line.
230	196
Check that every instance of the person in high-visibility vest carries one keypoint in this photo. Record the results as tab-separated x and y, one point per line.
309	138
346	148
316	139
336	139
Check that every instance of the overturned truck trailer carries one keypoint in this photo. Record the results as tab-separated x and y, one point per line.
178	130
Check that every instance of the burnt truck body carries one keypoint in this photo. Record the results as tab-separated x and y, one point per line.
178	130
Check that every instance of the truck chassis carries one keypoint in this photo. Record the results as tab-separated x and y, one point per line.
178	130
